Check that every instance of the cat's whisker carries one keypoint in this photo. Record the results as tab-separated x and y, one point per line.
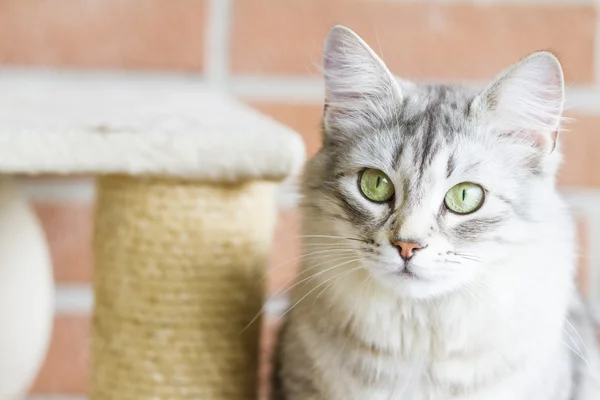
341	275
325	247
477	260
452	262
326	241
303	256
576	352
579	352
473	256
360	288
310	267
595	374
331	237
327	287
313	276
285	289
577	333
466	256
490	302
475	293
467	289
313	245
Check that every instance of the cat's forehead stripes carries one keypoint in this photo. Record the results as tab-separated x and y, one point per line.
442	108
448	105
427	124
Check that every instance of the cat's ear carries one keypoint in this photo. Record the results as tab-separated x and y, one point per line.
358	85
526	101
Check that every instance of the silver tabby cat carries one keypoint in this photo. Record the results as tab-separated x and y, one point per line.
440	258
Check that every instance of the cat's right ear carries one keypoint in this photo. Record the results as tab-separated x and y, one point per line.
359	89
525	102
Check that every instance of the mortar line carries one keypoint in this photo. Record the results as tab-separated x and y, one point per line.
217	42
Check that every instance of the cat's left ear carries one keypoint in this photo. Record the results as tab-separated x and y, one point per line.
358	85
526	101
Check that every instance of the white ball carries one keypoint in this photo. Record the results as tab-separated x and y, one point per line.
26	294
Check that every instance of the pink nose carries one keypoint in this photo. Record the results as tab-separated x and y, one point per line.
407	249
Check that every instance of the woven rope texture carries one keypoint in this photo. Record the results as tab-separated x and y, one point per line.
177	279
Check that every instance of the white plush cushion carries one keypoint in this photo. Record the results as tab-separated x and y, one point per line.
82	123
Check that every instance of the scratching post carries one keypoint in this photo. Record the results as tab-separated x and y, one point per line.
177	274
184	217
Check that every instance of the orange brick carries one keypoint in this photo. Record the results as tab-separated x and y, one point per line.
417	39
65	370
581	146
148	34
303	118
583	267
268	342
68	229
284	259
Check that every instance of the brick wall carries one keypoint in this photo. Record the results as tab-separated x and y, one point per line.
266	53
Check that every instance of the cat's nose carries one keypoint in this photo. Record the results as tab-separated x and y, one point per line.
407	249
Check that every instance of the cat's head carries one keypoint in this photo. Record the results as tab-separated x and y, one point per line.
431	183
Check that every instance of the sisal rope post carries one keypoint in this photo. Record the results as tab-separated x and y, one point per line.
178	266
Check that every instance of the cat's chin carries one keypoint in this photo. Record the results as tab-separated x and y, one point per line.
411	286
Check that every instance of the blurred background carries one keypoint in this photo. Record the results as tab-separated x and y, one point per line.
266	53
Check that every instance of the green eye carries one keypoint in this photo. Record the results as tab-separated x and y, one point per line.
376	186
464	198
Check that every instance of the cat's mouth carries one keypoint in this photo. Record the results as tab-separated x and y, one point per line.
405	272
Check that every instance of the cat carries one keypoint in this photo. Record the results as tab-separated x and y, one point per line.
440	258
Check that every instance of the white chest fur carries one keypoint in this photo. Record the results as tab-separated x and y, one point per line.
503	340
